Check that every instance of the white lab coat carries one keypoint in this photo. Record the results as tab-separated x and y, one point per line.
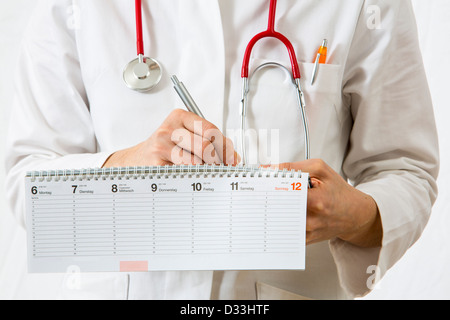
369	111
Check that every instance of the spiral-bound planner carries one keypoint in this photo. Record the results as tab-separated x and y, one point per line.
166	218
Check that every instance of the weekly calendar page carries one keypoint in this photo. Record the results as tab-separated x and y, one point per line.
151	219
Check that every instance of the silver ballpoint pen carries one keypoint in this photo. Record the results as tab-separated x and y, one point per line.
316	64
186	97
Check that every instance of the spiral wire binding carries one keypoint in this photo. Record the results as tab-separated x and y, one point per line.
159	172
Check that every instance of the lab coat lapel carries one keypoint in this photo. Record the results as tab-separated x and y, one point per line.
202	68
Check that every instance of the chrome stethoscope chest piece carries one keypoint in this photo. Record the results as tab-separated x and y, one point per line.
142	74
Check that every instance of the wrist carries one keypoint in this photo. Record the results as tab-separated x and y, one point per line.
110	162
119	159
367	230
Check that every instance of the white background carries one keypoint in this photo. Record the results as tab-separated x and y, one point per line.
421	274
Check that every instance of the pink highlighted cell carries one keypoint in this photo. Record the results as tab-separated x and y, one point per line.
133	266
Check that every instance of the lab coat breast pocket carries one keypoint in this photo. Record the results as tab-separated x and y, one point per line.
328	116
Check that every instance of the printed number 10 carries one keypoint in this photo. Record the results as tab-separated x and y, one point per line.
296	186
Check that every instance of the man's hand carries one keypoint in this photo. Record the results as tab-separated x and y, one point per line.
336	209
183	138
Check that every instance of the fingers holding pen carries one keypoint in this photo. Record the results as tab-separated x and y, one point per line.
201	127
207	137
201	149
183	138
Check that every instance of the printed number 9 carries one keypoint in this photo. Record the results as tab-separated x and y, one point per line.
154	187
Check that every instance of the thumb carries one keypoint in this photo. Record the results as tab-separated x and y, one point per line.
289	166
282	166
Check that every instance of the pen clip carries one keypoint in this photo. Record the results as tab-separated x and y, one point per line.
316	66
320	58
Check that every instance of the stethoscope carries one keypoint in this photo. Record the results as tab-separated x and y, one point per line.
144	73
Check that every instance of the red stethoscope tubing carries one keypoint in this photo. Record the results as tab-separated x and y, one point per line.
271	33
139	37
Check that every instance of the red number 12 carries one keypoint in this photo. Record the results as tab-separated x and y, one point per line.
296	186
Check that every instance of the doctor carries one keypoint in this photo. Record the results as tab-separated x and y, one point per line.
369	110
